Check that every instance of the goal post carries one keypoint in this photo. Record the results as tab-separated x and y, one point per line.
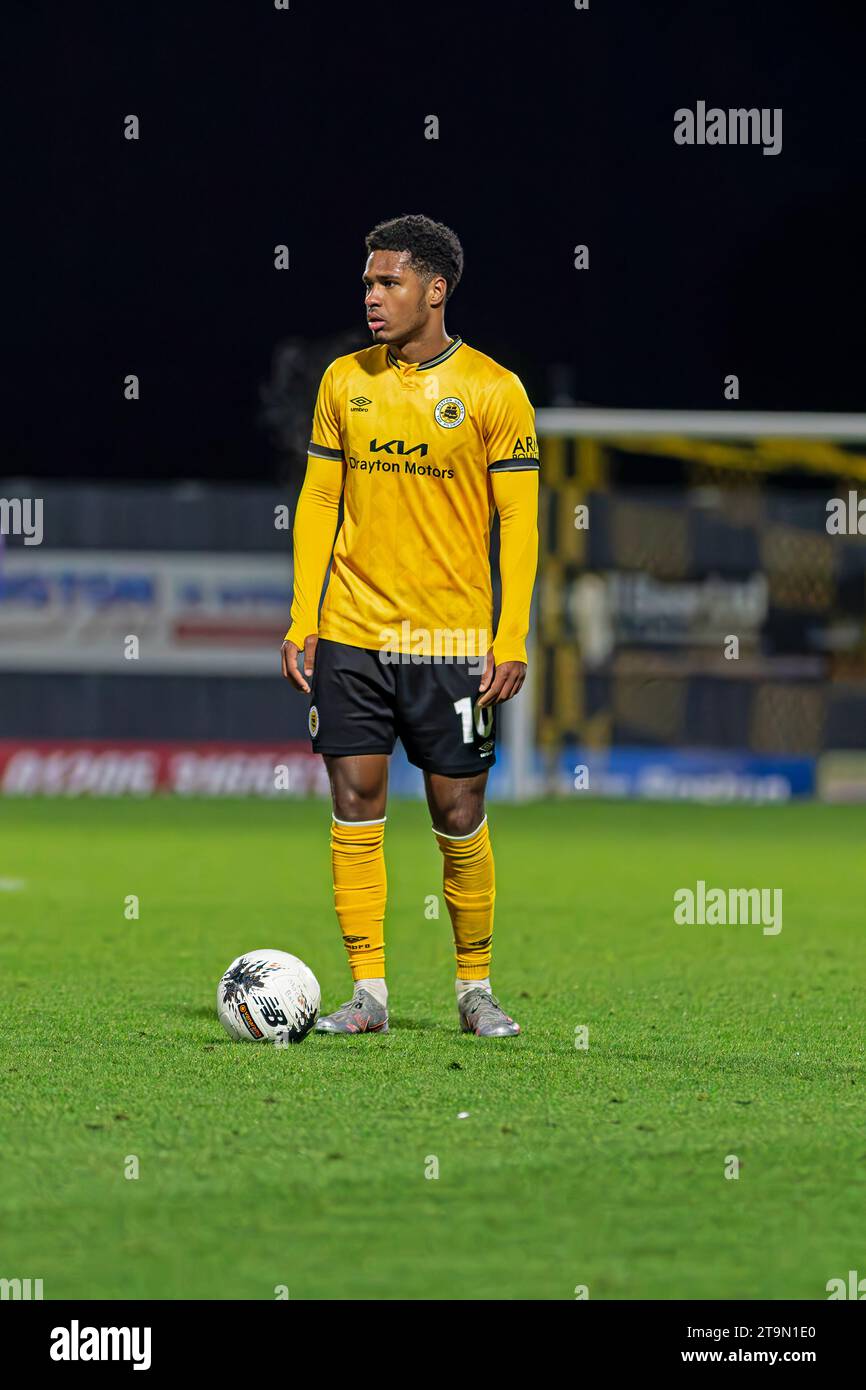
732	470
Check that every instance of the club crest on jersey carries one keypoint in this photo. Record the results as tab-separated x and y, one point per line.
450	412
313	721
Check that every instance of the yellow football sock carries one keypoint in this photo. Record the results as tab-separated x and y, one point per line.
470	892
360	890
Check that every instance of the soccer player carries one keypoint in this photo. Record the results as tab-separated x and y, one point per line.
422	436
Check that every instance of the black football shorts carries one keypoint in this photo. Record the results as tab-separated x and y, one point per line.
360	704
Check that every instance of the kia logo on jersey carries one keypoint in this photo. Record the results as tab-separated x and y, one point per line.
397	446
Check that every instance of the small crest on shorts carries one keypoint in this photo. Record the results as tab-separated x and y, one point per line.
313	721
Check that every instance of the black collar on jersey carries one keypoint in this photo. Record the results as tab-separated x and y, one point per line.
433	361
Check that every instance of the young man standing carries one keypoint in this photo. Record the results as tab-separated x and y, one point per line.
422	436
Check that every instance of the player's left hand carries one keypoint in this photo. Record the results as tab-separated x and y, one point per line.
500	683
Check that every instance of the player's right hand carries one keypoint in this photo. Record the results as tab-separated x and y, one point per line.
290	662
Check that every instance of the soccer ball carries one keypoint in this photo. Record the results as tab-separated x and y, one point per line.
268	996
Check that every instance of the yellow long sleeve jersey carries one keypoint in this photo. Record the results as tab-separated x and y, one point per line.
421	453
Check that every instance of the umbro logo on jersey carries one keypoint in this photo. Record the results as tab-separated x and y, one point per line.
525	448
397	446
360	403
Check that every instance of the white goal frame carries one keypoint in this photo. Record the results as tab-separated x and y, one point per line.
518	736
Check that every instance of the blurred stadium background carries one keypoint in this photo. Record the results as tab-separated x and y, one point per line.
672	521
663	535
155	257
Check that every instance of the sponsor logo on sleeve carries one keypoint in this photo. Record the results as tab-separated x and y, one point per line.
525	448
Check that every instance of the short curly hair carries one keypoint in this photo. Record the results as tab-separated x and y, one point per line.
433	248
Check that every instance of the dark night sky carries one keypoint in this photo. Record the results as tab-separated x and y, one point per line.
306	127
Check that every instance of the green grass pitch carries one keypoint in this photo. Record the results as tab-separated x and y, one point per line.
305	1167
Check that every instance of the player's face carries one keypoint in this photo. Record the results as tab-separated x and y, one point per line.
397	301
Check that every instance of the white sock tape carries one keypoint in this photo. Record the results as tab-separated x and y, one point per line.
458	837
358	822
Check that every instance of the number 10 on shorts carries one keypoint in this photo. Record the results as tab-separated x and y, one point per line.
483	719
